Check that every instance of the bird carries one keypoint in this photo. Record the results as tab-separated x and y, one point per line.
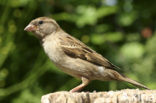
73	56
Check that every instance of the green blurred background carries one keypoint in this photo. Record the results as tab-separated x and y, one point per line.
123	31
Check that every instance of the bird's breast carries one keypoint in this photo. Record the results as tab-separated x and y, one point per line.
52	50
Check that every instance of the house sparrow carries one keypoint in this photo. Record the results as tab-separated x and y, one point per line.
72	56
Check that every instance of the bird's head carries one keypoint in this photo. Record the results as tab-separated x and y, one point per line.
42	26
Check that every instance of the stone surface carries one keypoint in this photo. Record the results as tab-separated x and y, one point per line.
122	96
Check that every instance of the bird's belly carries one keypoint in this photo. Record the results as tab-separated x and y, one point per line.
79	68
69	71
74	68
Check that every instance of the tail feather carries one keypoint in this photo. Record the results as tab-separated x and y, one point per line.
134	83
117	76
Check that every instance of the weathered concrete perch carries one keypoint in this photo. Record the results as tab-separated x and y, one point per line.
123	96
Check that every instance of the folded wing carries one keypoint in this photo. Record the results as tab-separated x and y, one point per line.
76	49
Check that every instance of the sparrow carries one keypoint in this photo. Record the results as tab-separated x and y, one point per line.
74	57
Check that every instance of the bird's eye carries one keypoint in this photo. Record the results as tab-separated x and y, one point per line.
40	22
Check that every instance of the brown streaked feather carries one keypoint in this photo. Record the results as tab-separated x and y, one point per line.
76	49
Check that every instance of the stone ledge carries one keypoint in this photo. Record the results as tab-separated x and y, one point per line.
122	96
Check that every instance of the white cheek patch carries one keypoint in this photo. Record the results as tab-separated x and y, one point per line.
101	69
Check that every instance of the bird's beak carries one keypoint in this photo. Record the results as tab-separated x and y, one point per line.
30	28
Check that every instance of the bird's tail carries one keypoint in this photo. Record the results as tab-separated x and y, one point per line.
126	79
120	77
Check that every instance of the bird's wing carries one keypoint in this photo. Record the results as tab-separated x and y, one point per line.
76	49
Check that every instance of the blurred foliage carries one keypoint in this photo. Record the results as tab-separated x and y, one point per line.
121	30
